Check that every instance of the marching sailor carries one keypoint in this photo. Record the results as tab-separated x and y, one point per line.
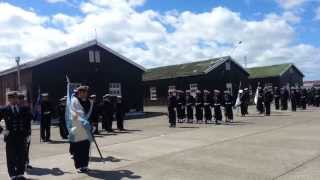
260	106
217	106
277	97
190	104
62	118
16	136
80	134
28	116
293	98
181	102
120	113
199	107
46	113
172	105
242	98
207	103
227	100
284	98
267	99
246	99
107	110
303	100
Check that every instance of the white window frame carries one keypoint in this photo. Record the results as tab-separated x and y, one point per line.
97	56
172	87
229	87
153	93
193	89
91	56
115	89
228	66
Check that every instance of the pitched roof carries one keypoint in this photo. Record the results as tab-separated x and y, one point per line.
270	71
62	53
184	70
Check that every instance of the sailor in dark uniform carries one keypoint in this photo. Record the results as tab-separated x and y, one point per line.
228	103
317	98
16	135
28	116
217	106
303	99
199	107
172	106
284	98
95	115
62	118
107	111
181	102
46	115
293	98
260	106
246	99
276	97
243	99
298	97
120	113
207	103
267	99
190	105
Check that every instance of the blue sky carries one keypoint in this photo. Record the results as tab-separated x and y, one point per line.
156	33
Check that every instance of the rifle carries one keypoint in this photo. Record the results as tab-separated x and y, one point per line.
96	144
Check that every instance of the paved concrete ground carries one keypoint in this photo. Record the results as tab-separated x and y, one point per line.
283	146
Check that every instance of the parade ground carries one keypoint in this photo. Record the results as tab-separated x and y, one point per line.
285	145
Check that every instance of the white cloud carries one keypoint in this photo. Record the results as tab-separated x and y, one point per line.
289	4
154	39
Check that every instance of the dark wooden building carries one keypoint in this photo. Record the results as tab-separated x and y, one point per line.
91	63
219	73
276	75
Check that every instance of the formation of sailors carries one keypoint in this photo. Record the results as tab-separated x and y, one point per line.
185	108
206	107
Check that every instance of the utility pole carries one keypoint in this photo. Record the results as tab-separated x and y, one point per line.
18	72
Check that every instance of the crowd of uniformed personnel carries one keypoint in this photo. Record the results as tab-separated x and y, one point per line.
206	107
18	116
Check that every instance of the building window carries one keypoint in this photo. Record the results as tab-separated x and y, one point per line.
97	56
228	66
193	89
91	56
115	89
153	94
172	87
229	87
291	71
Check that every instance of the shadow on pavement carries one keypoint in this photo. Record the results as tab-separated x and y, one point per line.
58	142
114	175
36	171
239	123
106	159
188	127
145	115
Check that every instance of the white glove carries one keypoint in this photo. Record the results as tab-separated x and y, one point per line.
28	139
6	133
